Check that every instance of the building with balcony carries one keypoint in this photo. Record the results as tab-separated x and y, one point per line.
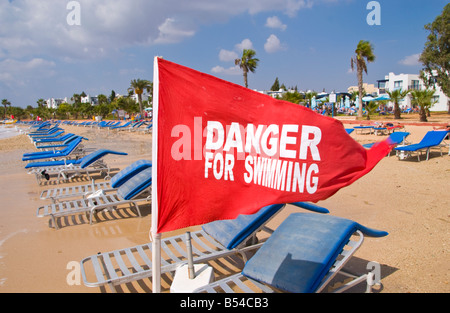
410	82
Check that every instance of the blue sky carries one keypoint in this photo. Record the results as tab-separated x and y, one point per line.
305	43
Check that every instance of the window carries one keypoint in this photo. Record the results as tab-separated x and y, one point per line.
398	84
415	85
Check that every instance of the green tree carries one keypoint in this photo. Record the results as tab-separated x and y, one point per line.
248	63
276	85
64	110
293	97
138	86
364	54
40	103
371	107
396	96
102	99
424	99
86	110
436	55
19	113
112	97
5	103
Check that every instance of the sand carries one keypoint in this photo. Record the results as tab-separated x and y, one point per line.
408	199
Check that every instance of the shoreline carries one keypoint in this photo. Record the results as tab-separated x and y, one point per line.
408	199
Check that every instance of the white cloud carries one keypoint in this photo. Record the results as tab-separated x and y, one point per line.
244	44
411	60
15	72
273	44
226	55
230	56
274	22
169	32
31	27
235	70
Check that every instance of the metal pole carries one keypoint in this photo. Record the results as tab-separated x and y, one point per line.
190	258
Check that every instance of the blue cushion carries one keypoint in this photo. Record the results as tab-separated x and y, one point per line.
120	178
62	138
52	163
94	156
48	155
230	233
302	250
431	139
136	185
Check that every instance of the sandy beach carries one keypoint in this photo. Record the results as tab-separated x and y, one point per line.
408	199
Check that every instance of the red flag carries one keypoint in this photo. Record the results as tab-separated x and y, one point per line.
225	150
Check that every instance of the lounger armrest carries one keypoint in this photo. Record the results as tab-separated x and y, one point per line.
311	207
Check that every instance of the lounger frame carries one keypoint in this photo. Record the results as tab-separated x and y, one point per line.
402	154
239	283
57	194
131	264
66	172
89	206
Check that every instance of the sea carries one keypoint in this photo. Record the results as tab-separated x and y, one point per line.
8	131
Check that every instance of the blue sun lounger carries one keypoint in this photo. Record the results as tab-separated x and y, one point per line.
215	240
127	194
302	256
432	139
54	134
57	144
364	129
58	139
44	131
58	154
92	162
396	138
56	194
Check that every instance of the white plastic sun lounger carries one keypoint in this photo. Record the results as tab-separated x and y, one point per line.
302	256
128	193
56	194
215	240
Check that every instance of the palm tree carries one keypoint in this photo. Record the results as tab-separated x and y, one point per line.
247	63
364	52
396	96
138	86
5	103
423	98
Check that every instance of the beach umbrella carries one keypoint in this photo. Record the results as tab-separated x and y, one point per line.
382	97
368	98
313	103
347	102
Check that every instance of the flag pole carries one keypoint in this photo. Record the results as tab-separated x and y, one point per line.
156	238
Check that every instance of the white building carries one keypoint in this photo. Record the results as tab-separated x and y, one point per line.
275	94
54	103
410	82
145	97
89	99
